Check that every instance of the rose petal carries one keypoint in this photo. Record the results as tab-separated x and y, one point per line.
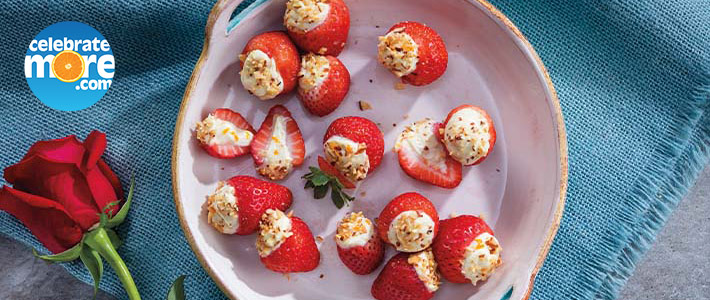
60	182
64	150
111	176
101	189
95	145
46	219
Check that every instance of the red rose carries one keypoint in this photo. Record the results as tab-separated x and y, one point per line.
59	189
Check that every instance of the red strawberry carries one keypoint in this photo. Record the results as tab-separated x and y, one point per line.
460	137
288	148
423	157
332	171
220	139
324	97
277	46
360	258
359	130
253	197
409	237
327	38
449	247
298	253
399	279
431	54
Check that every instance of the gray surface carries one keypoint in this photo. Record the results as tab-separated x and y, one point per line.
676	267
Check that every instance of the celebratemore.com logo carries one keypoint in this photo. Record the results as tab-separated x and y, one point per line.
69	66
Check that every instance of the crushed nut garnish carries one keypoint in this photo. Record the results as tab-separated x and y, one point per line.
364	105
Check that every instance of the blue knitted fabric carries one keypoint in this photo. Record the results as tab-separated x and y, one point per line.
632	77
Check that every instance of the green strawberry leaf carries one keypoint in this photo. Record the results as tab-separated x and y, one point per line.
123	212
320	179
93	263
320	191
177	289
309	185
337	198
68	255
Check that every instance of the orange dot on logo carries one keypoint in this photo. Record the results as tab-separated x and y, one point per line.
68	66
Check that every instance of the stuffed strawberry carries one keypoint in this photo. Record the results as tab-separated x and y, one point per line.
466	250
409	222
278	145
270	64
285	244
318	26
323	83
407	276
468	134
359	247
354	147
414	52
423	157
224	134
238	203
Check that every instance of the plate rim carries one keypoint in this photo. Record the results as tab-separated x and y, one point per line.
503	20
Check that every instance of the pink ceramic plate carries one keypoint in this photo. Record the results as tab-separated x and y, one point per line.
519	189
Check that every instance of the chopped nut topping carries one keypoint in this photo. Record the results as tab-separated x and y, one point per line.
354	230
314	71
398	52
411	231
399	86
419	139
275	228
364	105
467	136
260	76
222	209
425	266
349	157
304	15
213	131
481	258
277	161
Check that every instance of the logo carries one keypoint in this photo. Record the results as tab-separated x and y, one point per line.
69	66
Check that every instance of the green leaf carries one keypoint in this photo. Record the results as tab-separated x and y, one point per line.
123	212
309	184
93	263
68	255
320	191
337	198
177	290
320	179
113	237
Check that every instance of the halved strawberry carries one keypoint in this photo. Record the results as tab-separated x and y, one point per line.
407	276
297	253
409	222
423	157
359	247
257	74
463	130
224	134
314	30
324	81
239	211
278	145
332	171
418	63
466	239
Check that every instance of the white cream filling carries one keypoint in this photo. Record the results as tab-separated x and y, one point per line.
213	131
260	76
481	258
419	138
354	230
277	160
275	228
222	209
411	231
350	158
304	15
425	266
467	136
314	71
398	52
